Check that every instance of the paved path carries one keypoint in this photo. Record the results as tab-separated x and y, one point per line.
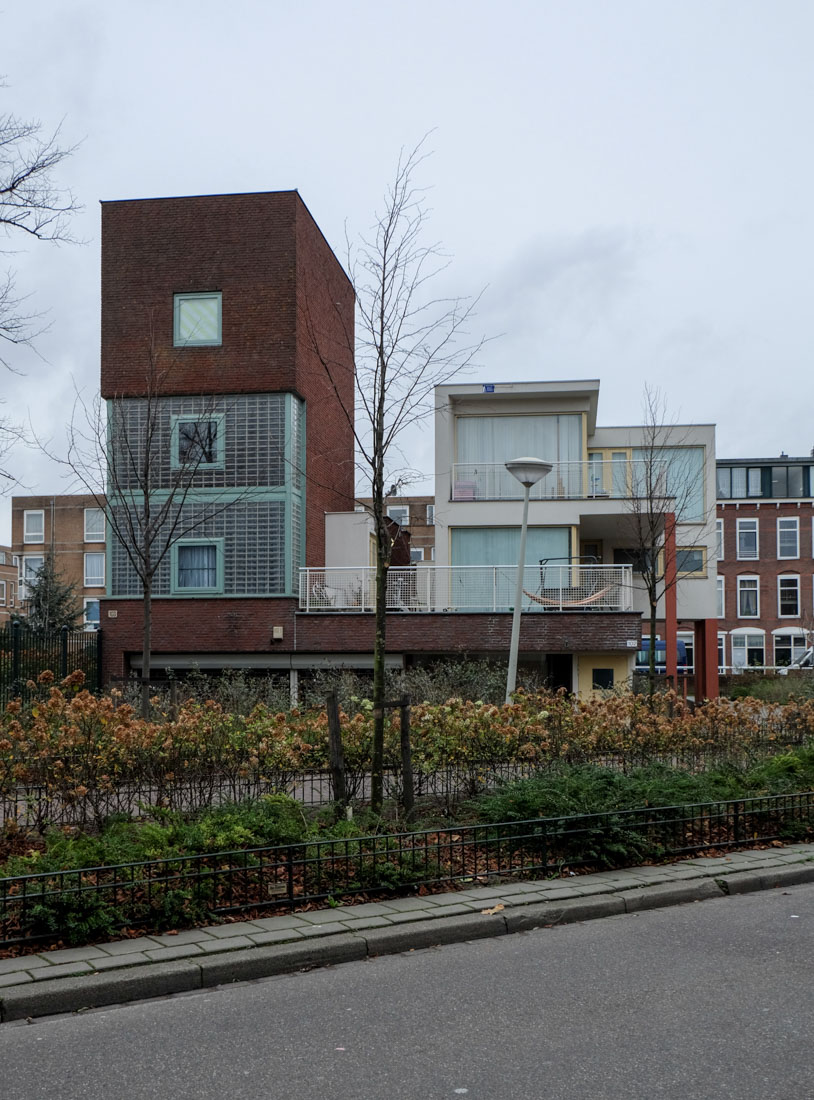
132	969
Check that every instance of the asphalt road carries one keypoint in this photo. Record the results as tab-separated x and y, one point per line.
711	1000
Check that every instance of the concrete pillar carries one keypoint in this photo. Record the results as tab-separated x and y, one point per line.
670	600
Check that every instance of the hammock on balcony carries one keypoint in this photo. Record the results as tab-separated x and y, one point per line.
585	601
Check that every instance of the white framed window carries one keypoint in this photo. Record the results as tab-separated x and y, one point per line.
748	598
748	649
788	537
721	602
719	531
748	539
430	515
31	566
11	593
788	646
400	513
94	525
416	554
788	597
90	618
722	651
15	560
34	525
94	570
197	320
688	638
2	593
197	567
2	557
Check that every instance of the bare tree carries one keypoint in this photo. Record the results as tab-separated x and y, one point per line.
407	343
120	453
665	489
31	204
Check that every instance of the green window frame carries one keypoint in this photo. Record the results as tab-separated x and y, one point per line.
177	430
197	320
177	564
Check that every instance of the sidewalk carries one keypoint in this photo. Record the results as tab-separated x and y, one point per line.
153	966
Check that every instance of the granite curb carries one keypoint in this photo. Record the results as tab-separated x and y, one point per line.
82	978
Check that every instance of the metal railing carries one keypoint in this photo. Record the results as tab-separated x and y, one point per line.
618	479
25	653
547	587
33	908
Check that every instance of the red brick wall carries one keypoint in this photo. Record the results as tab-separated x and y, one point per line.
244	626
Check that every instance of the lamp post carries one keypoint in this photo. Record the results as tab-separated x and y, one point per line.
528	472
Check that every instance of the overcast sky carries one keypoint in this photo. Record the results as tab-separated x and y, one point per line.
630	180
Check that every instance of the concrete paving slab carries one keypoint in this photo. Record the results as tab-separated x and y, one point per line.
366	922
67	970
404	905
174	939
115	962
271	924
319	916
327	928
182	951
22	962
368	909
229	931
281	935
128	947
223	944
72	954
16	977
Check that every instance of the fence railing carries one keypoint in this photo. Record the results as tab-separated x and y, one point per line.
25	653
572	587
194	887
617	479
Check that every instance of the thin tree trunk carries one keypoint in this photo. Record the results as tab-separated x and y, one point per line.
146	648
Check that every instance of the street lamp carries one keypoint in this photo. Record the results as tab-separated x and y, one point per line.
528	472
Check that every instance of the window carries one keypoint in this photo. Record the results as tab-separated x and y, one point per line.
400	513
748	650
682	478
32	564
721	612
788	597
748	598
90	619
719	531
197	566
788	538
739	481
197	441
787	648
197	320
747	539
34	526
94	570
416	554
2	557
15	560
689	651
430	515
722	652
601	679
11	593
94	525
2	593
641	560
691	561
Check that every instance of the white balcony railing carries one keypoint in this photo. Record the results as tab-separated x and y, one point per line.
573	588
614	478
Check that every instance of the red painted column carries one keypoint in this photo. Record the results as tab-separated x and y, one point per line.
670	599
711	658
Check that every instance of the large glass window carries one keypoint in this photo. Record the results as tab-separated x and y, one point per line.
788	597
748	598
497	439
94	525
198	566
197	441
197	320
721	598
34	525
747	539
788	647
748	649
94	570
788	537
678	472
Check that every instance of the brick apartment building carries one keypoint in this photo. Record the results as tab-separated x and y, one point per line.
8	584
765	547
72	529
243	305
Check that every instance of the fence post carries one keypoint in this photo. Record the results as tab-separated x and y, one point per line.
408	792
16	630
63	652
337	756
99	679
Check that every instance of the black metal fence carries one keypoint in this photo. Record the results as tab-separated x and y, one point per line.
76	905
25	653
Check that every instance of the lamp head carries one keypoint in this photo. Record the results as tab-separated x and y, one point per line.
528	471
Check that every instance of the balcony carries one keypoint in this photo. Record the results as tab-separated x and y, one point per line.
612	478
572	588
